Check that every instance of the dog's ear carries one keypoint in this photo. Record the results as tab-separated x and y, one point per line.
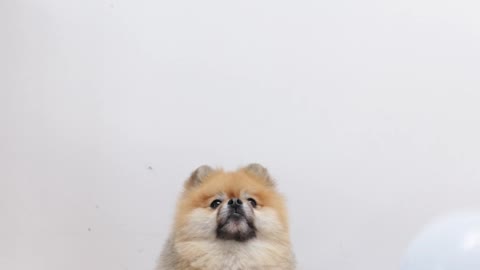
198	176
261	172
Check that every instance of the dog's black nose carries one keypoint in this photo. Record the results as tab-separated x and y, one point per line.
235	202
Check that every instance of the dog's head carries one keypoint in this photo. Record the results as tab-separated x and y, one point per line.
231	206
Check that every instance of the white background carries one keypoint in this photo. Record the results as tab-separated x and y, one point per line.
366	113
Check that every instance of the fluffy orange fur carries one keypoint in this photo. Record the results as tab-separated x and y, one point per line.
205	238
233	184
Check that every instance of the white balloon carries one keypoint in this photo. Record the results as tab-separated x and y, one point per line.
449	243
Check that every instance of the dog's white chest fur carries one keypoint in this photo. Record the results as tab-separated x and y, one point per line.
221	255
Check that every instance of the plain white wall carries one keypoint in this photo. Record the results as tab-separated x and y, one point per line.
366	112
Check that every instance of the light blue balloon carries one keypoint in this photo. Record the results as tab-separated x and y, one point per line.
450	243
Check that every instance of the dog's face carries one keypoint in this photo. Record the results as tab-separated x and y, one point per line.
234	206
235	216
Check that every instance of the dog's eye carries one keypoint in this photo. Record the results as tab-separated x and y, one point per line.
252	202
215	204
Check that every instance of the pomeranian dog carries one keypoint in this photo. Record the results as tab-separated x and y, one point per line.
229	221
